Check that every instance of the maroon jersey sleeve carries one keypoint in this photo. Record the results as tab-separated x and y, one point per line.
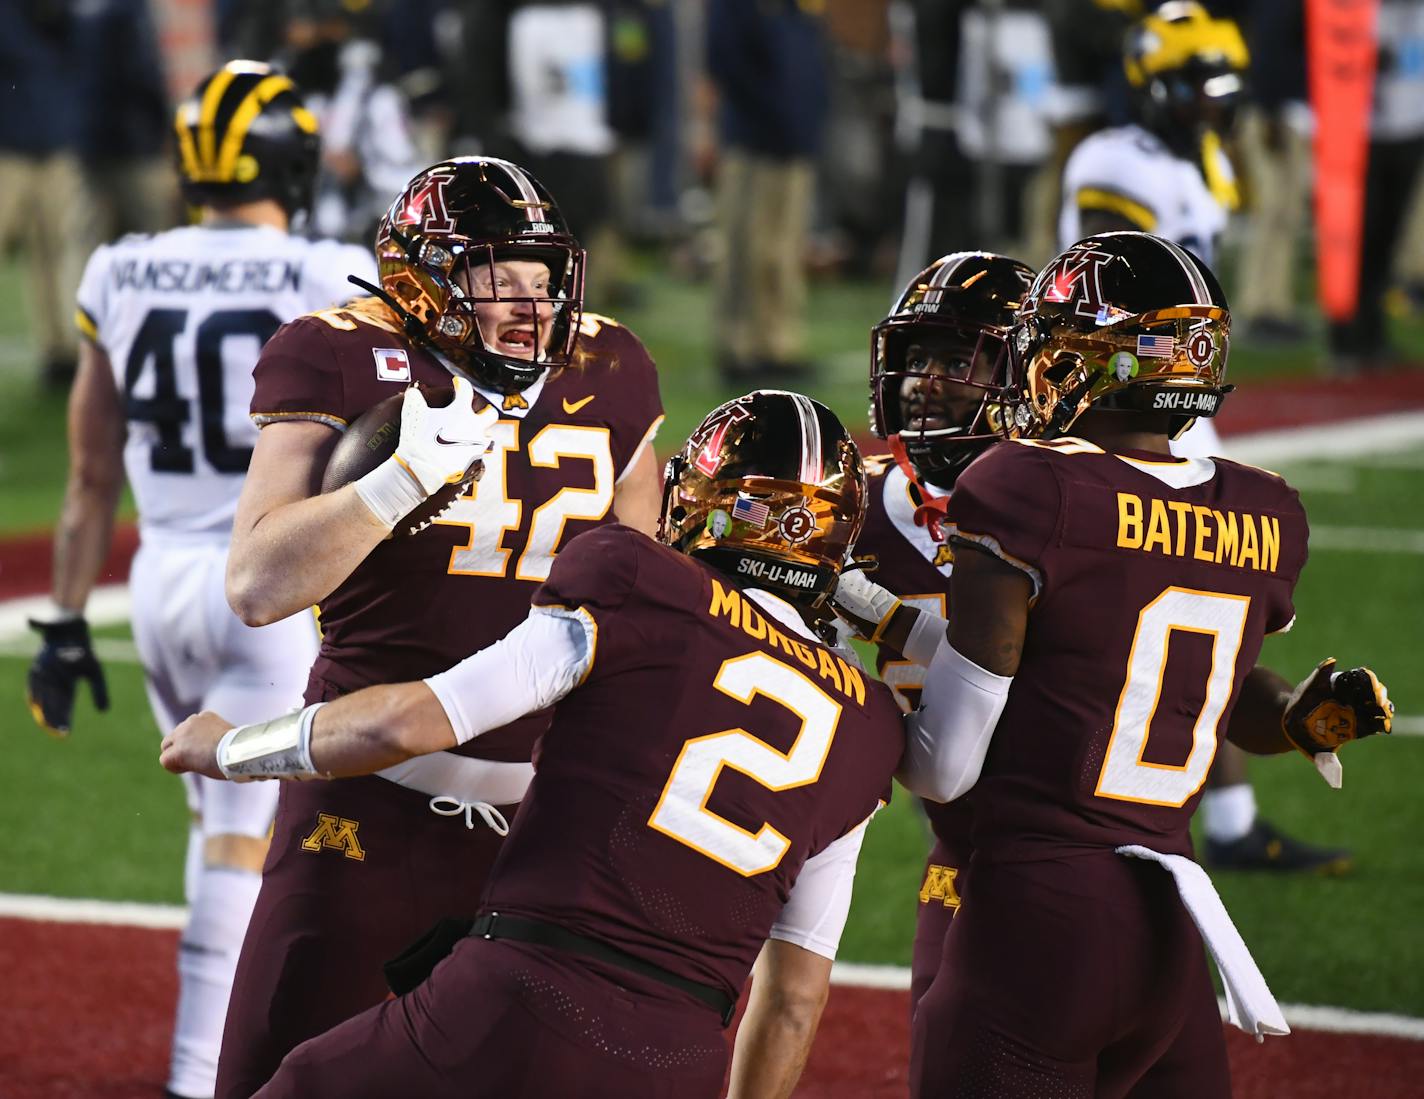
299	377
1008	502
621	372
595	572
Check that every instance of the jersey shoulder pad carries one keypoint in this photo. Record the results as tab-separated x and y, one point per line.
1009	502
596	570
1125	162
369	312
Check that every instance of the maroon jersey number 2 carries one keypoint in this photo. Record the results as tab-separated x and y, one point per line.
682	812
1125	775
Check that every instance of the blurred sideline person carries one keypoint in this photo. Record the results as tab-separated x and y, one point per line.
368	145
479	280
41	181
701	797
172	324
767	61
939	365
1087	727
1168	174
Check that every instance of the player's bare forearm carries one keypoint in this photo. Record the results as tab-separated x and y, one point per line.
377	728
96	477
292	546
990	618
638	496
355	735
1255	722
787	997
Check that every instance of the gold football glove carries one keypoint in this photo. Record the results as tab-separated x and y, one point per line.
1330	708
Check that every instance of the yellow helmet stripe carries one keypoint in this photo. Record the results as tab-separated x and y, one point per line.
1113	202
207	117
247	111
187	150
1179	43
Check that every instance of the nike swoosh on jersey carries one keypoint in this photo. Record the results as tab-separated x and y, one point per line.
439	438
573	406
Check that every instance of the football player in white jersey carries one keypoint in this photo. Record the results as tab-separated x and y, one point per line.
172	325
1168	174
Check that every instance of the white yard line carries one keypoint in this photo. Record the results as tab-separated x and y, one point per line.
1367	540
1333	439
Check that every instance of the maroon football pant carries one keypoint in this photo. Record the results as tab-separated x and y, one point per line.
941	892
514	1021
358	869
1079	978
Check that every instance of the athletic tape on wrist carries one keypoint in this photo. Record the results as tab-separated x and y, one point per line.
281	746
390	491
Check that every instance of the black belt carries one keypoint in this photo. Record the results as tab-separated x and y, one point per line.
495	926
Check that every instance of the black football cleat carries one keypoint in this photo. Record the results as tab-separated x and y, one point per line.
1266	847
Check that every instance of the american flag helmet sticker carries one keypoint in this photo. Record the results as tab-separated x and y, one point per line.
1156	347
755	512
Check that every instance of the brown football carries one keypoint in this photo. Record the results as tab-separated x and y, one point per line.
372	438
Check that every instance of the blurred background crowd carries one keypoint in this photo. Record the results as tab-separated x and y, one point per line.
754	143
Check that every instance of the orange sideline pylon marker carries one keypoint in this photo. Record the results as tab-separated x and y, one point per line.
1340	63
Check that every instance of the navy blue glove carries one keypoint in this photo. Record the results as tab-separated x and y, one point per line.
66	657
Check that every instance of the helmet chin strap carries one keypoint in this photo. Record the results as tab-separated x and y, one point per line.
930	512
413	328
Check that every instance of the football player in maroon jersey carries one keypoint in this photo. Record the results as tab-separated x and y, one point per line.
1089	725
700	797
938	378
479	279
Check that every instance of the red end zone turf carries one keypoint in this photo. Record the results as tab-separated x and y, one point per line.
87	1009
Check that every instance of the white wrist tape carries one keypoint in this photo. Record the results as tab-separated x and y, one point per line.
390	491
281	746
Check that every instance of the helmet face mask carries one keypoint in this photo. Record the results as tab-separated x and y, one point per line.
770	489
244	135
1121	321
939	372
460	252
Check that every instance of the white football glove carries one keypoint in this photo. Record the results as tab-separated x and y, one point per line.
437	445
864	603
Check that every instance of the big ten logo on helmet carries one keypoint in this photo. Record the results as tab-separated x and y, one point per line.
1074	277
706	443
426	205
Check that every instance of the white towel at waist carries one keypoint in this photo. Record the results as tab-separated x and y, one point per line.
1249	1003
462	779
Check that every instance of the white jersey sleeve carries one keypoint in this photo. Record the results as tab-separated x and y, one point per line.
814	915
533	666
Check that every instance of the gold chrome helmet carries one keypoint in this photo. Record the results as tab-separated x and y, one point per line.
939	371
769	489
461	215
1123	321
